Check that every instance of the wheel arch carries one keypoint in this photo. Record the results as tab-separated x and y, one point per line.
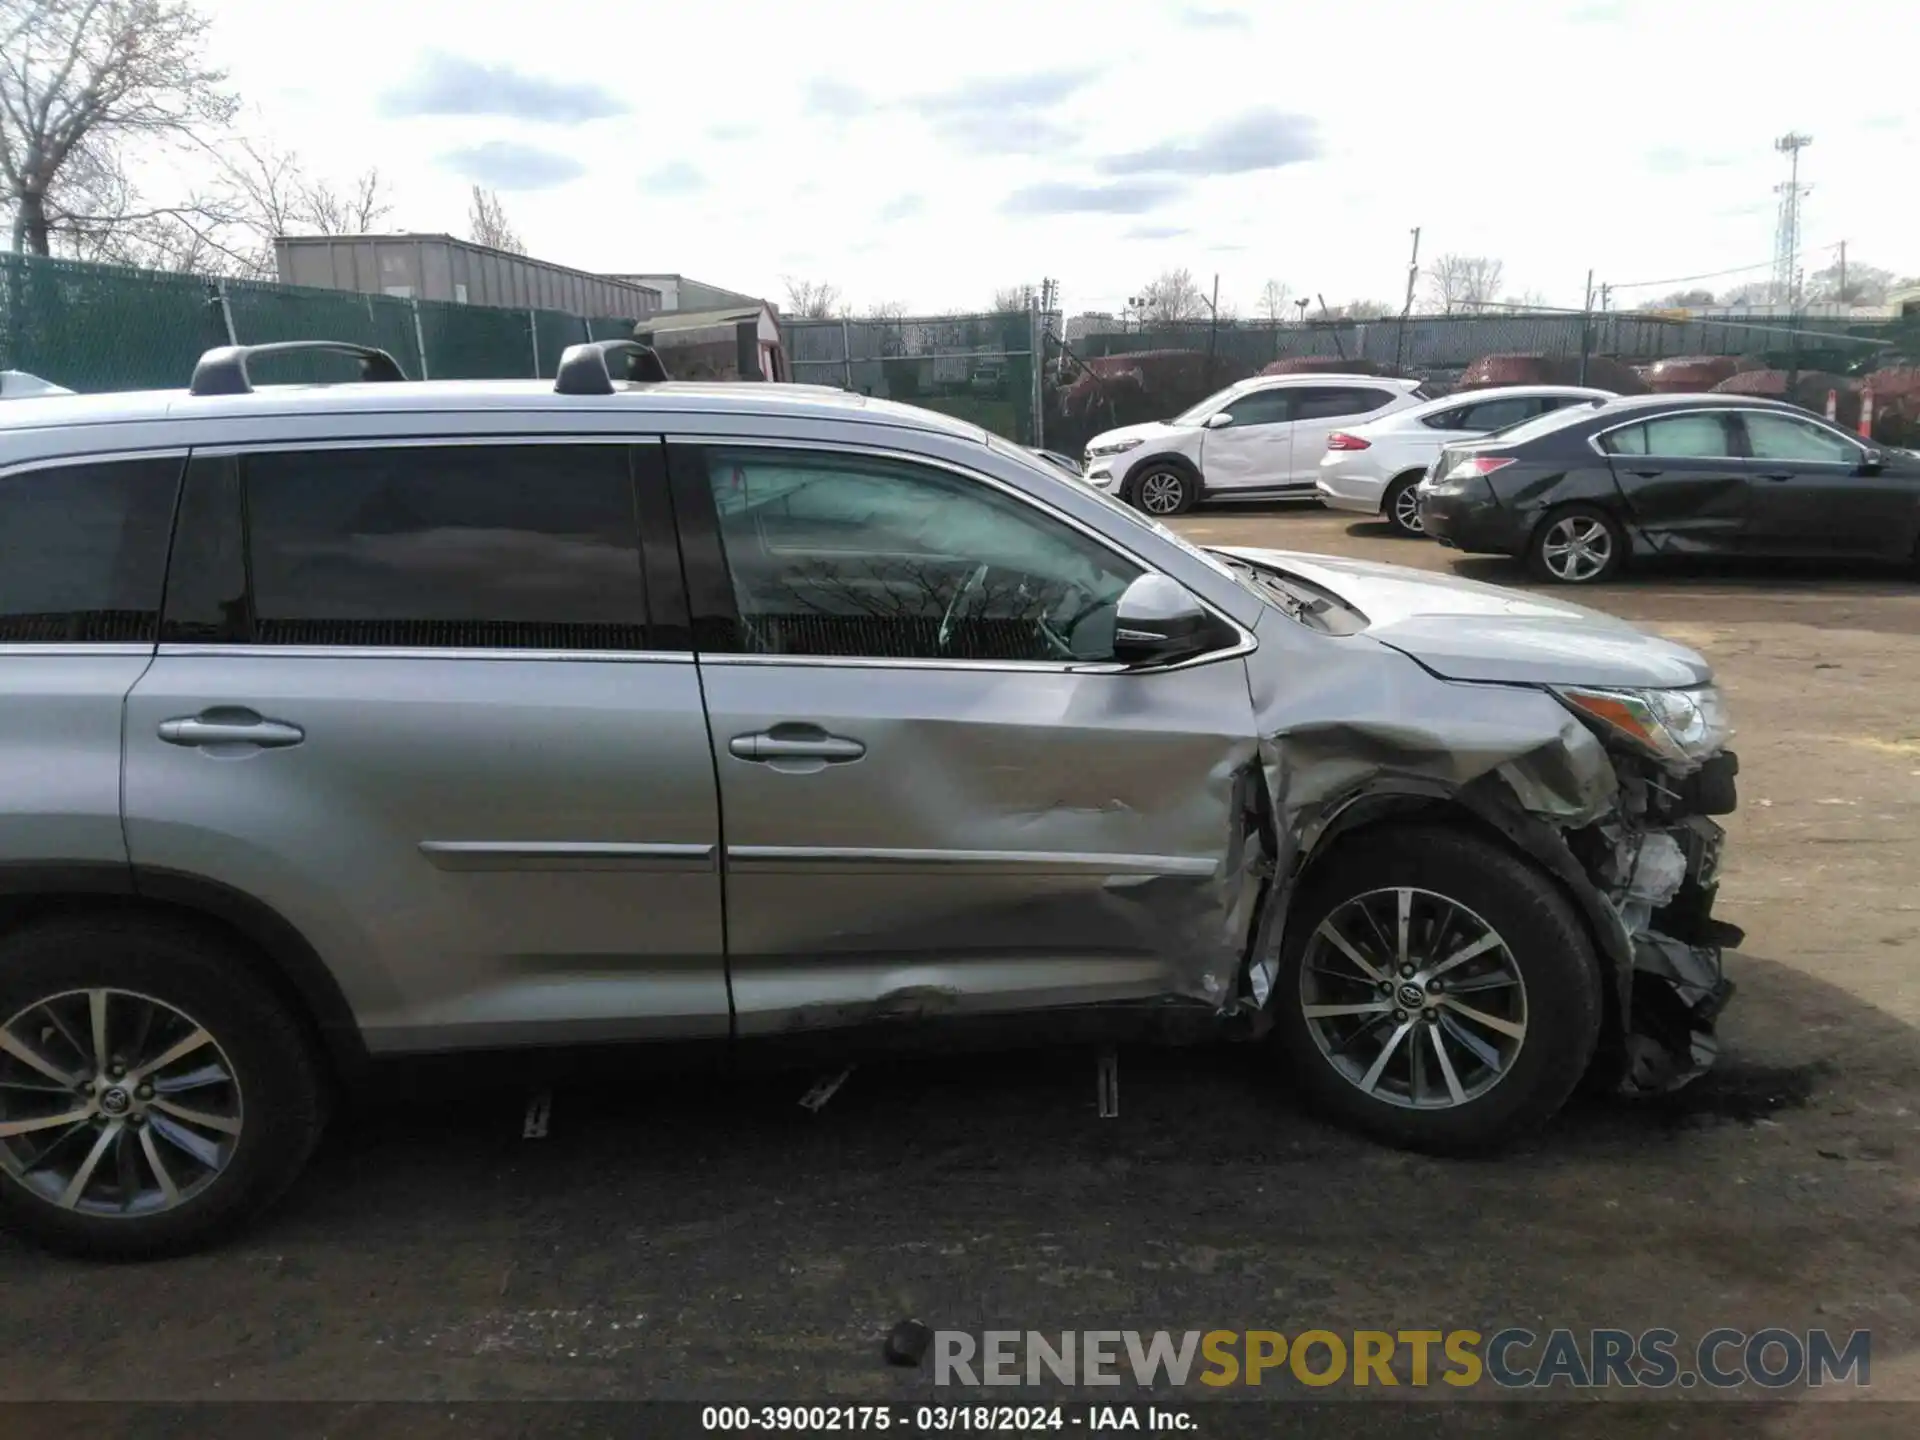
1386	491
1486	810
43	890
1171	459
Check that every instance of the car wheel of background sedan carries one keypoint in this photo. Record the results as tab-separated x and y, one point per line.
1577	546
1436	991
1402	506
154	1093
1162	490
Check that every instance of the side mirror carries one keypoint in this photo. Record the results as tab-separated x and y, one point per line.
1219	420
1872	462
1158	621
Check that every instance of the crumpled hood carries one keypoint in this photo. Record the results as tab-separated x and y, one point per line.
1465	630
1147	431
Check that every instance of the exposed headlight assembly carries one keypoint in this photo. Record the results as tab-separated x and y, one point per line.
1113	447
1681	727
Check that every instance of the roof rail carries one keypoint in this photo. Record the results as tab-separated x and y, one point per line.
584	369
223	371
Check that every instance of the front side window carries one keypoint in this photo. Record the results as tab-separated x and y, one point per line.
845	555
83	551
1782	437
455	546
1258	407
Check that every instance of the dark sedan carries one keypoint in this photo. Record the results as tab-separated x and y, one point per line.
1579	492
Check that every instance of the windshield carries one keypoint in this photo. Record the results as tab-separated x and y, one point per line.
1194	414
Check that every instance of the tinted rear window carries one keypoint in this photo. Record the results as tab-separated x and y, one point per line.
83	551
460	546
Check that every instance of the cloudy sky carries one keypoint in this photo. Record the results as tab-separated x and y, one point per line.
928	153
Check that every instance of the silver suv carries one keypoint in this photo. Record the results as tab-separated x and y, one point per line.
349	721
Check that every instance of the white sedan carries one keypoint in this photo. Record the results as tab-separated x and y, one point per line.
1372	469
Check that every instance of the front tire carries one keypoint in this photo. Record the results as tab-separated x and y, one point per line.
1577	545
1436	991
1401	507
154	1092
1162	490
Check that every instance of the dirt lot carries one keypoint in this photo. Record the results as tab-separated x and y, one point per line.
716	1241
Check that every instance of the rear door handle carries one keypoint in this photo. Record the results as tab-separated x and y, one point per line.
230	729
1778	475
809	745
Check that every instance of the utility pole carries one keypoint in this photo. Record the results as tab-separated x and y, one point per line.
1606	296
1842	296
1413	277
1786	232
1213	325
1586	328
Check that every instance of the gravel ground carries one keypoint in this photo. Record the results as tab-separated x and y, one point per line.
709	1239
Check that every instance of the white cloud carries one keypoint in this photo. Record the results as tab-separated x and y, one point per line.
907	153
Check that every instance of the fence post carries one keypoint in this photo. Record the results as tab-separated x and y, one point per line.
226	312
533	334
846	349
419	337
1036	363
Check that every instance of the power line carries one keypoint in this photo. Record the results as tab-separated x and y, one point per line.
1709	275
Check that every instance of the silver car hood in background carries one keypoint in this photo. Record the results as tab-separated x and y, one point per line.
1464	630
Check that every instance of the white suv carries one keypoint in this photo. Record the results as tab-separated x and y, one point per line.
1262	437
1374	468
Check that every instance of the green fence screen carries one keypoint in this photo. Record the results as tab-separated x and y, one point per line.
102	327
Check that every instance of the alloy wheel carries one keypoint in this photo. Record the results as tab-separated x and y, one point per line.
1162	493
1413	999
113	1103
1406	510
1576	548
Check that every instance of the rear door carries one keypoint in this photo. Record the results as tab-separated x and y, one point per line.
1810	496
1683	479
940	795
83	553
430	703
1319	410
1254	451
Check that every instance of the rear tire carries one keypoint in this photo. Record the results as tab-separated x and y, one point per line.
1577	545
183	1151
1163	490
1502	1042
1402	508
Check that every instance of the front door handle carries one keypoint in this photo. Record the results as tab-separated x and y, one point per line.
230	728
796	743
1779	475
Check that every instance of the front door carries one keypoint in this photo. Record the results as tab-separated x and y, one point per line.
426	703
1253	450
939	794
1683	480
1811	497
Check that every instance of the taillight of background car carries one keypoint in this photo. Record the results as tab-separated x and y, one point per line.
1476	465
1341	440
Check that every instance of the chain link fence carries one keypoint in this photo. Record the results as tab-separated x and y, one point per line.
979	368
98	327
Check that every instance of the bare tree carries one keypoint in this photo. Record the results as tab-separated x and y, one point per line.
80	80
1525	300
1274	298
1172	299
487	223
810	299
1850	284
1361	310
356	210
1463	282
1684	300
887	310
1010	298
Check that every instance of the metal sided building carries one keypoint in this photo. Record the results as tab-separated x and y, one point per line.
439	267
